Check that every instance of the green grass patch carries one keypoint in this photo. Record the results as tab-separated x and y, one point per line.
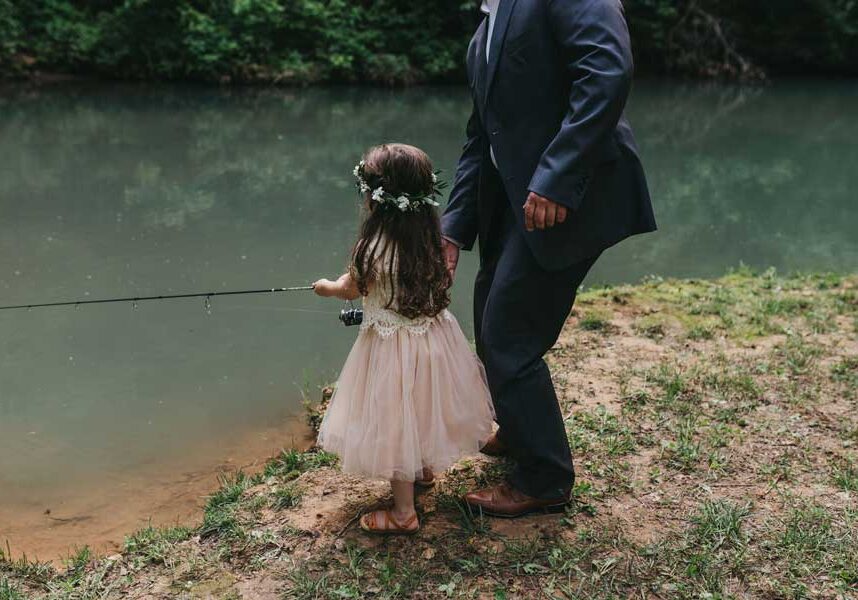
220	518
701	331
718	524
290	464
844	473
813	540
684	451
599	428
153	544
653	326
9	591
287	496
32	571
594	321
845	372
797	355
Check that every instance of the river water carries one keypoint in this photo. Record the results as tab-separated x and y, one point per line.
111	415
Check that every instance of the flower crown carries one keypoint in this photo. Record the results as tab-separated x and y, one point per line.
403	201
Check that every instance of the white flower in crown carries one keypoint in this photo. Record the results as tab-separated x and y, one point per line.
434	178
403	203
364	187
378	194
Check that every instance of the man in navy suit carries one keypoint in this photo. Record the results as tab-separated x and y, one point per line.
548	179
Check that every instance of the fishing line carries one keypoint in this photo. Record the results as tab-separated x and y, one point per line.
276	309
135	299
349	316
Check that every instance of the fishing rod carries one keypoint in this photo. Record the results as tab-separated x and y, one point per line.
348	316
135	299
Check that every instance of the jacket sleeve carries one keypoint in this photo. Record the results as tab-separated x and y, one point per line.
594	39
459	222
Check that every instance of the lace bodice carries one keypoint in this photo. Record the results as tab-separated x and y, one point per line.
385	321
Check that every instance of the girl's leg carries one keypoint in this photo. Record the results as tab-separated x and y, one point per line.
402	518
427	479
403	500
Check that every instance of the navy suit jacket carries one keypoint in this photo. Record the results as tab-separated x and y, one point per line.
550	104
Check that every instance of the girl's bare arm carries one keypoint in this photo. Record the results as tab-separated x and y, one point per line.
344	288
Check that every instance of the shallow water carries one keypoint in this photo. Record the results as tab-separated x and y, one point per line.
128	190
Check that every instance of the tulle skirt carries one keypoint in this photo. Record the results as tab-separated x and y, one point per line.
405	401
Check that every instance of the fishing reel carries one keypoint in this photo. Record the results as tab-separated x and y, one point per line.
350	315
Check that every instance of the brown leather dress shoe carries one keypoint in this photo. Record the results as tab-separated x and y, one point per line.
494	446
505	501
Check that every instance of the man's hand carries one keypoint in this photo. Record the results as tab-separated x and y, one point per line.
451	256
542	213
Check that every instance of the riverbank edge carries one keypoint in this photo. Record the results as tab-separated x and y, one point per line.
713	424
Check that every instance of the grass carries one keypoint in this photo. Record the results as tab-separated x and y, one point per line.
153	545
9	591
287	496
684	451
652	326
718	524
594	321
220	517
813	541
713	430
290	464
845	373
471	522
845	475
600	428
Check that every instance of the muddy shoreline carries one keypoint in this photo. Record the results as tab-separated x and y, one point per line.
99	512
713	426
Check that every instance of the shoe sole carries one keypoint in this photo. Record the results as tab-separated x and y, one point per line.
389	531
543	510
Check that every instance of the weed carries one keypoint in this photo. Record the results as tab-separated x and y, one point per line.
798	355
8	591
684	451
288	496
700	332
220	516
471	521
845	475
651	326
592	321
289	464
152	545
718	523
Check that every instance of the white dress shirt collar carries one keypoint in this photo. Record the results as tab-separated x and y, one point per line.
490	7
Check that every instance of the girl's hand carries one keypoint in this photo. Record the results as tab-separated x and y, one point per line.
343	288
325	288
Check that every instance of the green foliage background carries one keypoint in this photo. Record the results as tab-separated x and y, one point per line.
390	41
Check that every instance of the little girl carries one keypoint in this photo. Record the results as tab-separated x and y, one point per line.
411	398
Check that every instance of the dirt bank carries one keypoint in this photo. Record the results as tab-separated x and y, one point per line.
714	428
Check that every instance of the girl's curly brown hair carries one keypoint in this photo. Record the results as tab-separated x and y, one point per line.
409	241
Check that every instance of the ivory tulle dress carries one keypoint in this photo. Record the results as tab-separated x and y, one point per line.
412	394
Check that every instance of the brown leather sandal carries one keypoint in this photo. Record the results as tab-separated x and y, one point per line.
389	525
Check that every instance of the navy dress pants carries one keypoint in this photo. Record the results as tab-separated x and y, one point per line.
519	311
